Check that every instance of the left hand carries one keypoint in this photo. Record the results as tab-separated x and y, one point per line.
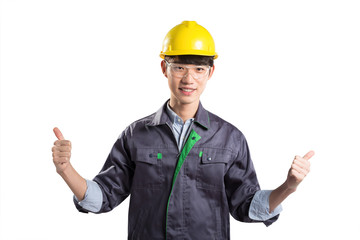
298	171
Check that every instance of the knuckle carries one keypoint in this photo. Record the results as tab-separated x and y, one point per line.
62	142
298	164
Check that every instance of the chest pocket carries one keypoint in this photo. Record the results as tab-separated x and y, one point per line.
211	168
148	171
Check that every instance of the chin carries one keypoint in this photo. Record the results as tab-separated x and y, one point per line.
188	101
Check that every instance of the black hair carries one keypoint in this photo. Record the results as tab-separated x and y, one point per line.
191	59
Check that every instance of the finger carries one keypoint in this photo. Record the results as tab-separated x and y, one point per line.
61	149
61	154
58	134
299	169
55	149
62	143
60	160
303	163
309	155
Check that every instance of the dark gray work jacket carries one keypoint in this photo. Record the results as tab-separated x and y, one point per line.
185	194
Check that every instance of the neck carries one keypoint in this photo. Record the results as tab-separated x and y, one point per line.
185	111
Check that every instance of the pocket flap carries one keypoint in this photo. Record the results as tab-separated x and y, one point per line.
147	156
211	156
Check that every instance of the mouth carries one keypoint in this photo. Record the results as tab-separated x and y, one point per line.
187	91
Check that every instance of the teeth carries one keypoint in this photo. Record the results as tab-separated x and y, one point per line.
187	90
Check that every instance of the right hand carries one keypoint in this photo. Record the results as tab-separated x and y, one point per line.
61	152
298	171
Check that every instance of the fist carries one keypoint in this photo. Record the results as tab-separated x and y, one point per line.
300	167
61	152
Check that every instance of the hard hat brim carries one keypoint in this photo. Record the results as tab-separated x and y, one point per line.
197	53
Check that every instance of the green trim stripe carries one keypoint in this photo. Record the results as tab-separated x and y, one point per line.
193	138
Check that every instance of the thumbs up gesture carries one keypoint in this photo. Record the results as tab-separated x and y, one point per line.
300	167
61	152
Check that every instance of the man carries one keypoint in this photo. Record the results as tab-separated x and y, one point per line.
185	168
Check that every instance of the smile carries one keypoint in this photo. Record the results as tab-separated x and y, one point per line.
187	91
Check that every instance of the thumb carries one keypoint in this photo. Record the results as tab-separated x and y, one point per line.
309	155
58	134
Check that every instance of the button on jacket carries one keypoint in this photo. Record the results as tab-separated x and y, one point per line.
180	194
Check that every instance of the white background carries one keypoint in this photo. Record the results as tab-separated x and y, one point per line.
287	76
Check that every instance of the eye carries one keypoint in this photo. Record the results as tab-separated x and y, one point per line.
200	69
178	68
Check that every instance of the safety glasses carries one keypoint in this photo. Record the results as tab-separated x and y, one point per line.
179	70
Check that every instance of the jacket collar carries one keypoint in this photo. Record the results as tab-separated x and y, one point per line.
161	117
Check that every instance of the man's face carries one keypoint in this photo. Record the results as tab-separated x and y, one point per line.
186	81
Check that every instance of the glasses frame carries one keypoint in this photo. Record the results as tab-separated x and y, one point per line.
186	66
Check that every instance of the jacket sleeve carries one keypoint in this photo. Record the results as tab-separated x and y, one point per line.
115	178
241	184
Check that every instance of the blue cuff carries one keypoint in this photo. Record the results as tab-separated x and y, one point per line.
93	197
259	207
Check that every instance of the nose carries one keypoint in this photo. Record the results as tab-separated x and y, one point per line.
187	78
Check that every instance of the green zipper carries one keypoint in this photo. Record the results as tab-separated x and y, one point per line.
192	139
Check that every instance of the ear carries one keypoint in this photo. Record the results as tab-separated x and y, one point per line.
163	68
212	69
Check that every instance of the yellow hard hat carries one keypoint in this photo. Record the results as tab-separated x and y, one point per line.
188	38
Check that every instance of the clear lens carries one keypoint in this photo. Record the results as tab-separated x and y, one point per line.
181	70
